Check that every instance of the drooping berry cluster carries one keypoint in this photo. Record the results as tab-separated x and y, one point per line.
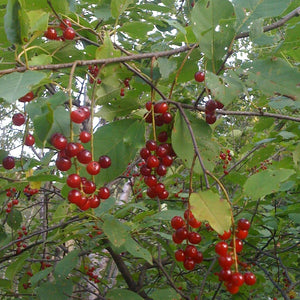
93	73
12	201
92	276
96	231
262	167
233	279
210	110
21	244
190	256
226	157
28	284
161	114
68	33
29	192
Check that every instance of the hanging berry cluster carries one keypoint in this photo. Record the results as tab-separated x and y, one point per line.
226	157
68	33
93	74
190	256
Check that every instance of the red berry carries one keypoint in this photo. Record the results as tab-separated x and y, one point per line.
86	110
221	248
75	196
181	233
78	116
59	141
189	264
145	171
51	34
210	119
89	187
179	255
74	181
249	278
145	153
84	156
244	224
63	163
72	149
225	275
231	288
188	214
161	107
176	239
163	195
177	222
69	33
194	223
18	119
15	202
199	76
151	192
161	170
29	140
161	151
150	180
122	92
94	201
219	104
225	236
27	98
225	261
103	193
8	162
152	161
237	279
167	160
210	106
148	105
199	258
190	251
151	145
84	137
162	137
104	161
242	234
167	117
67	22
93	168
159	188
194	237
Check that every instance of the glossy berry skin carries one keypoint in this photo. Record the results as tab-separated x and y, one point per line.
199	76
179	255
145	153
242	234
151	192
104	161
160	107
210	106
161	151
162	137
74	196
63	163
225	261
18	119
249	278
63	26
72	149
225	275
221	248
51	34
94	201
194	223
84	156
89	187
189	264
29	140
225	236
177	222
151	145
93	168
210	119
27	98
181	233
194	237
219	104
199	258
78	116
148	105
175	239
69	33
8	162
74	181
150	180
103	193
244	224
84	137
191	251
167	117
159	188
152	161
231	288
161	170
238	245
163	195
59	141
237	279
167	160
145	171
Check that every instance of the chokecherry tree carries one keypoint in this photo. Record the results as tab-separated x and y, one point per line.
149	149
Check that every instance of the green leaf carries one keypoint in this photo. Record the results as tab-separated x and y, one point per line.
45	177
12	23
115	231
166	294
119	140
38	20
166	67
119	6
137	250
42	59
212	23
117	294
16	85
42	125
14	219
40	275
266	182
183	145
59	290
5	284
296	154
295	217
17	265
137	30
67	264
207	206
105	206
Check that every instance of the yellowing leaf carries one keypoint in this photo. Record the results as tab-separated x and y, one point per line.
207	206
33	184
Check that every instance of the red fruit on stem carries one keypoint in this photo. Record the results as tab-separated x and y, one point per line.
51	34
84	137
94	201
194	237
237	279
104	161
18	119
189	264
150	180
145	153
8	162
161	170
29	140
59	141
244	224
151	145
86	110
72	149
67	22
63	163
152	161
225	236
167	117
210	119
161	151
199	76
27	98
161	107
74	181
75	196
194	223
221	248
89	187
199	258
181	233
231	288
84	156
78	116
151	192
148	105
225	275
225	261
103	193
238	245
163	195
177	222
175	239
249	278
93	168
162	137
210	106
190	251
179	255
69	33
242	234
167	160
219	104
145	171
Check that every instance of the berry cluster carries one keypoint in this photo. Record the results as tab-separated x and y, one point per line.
29	192
28	284
210	110
96	231
68	33
21	243
11	193
233	280
45	264
92	276
190	256
93	73
161	114
262	167
226	157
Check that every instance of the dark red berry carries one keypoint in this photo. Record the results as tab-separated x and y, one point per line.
181	233
84	156
199	257
161	170
194	237
63	163
93	168
75	196
249	278
210	106
161	107
145	153
89	187
237	279
242	234
225	236
29	140
225	261
67	22
51	34
177	222
148	105
210	119
221	248
74	181
59	141
162	137
78	116
104	161
84	137
167	117
179	255
18	119
27	98
8	162
199	76
244	224
190	251
152	161
151	145
69	33
189	264
103	193
72	149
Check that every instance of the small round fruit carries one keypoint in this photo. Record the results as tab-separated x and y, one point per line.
194	237
249	278
244	224
189	264
145	153
199	258
84	156
242	234
72	149
69	33
84	137
8	162
167	117
181	233
179	255
238	245
199	76
75	196
210	119
225	262
225	236
18	119
219	104
225	275
104	161
145	171
152	161
210	106
237	279
74	181
194	223
151	145
94	201
59	141
221	248
161	170
67	22
151	192
27	98
86	110
63	163
51	34
162	137
93	168
231	288
163	195
103	193
78	116
29	140
150	180
89	187
161	107
177	222
191	251
176	239
167	160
